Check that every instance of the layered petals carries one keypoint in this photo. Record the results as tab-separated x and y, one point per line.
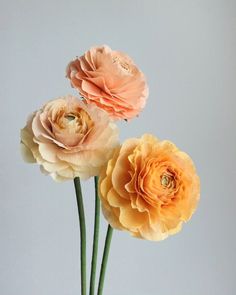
149	188
111	80
69	138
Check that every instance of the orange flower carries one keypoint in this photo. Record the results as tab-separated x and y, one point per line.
69	138
149	188
111	80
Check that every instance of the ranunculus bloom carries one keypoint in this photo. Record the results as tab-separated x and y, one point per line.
149	187
69	138
111	80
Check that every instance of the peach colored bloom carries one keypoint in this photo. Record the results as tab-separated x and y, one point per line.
111	80
149	187
69	138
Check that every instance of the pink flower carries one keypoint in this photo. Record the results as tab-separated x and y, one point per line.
111	80
69	138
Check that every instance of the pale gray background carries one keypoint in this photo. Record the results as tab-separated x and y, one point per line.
187	50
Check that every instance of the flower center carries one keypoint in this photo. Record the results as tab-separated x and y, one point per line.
78	121
167	181
122	64
70	117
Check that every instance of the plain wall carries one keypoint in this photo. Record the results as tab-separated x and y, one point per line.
187	51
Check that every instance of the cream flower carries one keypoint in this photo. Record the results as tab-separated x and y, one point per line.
111	80
69	138
149	188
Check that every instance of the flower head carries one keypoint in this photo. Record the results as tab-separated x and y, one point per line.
149	187
111	80
69	138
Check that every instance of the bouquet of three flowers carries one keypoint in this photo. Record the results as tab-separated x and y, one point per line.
146	186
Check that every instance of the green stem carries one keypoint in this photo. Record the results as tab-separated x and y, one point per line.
104	259
80	205
95	239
